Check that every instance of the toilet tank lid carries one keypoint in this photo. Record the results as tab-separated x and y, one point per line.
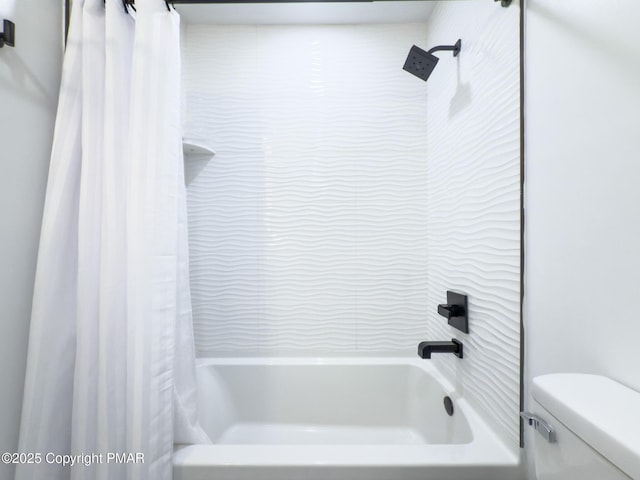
601	411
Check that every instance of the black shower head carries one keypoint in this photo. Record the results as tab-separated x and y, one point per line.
421	63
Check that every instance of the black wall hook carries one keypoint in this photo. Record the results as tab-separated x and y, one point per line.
8	36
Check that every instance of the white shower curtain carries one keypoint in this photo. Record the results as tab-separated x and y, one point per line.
110	367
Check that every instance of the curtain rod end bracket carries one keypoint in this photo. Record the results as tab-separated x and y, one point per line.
8	37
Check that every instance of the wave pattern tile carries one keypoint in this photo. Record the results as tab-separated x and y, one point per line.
308	228
473	214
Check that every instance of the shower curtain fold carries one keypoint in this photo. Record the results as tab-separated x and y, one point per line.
111	358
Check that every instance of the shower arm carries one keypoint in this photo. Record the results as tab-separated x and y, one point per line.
454	48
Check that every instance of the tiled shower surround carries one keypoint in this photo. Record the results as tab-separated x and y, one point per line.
473	203
308	229
347	196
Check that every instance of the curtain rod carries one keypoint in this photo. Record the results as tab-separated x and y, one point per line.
178	2
505	3
67	5
194	2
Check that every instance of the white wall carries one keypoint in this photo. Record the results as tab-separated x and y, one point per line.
307	229
29	82
582	188
473	202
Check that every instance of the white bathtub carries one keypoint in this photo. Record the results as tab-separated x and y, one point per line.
337	419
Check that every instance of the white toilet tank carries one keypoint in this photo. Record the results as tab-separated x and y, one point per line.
596	423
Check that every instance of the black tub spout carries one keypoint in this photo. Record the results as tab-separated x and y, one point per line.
425	349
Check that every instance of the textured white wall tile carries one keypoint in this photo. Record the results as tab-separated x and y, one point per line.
473	216
347	196
308	228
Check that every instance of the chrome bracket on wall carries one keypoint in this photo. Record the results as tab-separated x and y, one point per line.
504	3
8	36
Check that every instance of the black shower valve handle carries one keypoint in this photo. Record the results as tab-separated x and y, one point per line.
449	311
456	311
